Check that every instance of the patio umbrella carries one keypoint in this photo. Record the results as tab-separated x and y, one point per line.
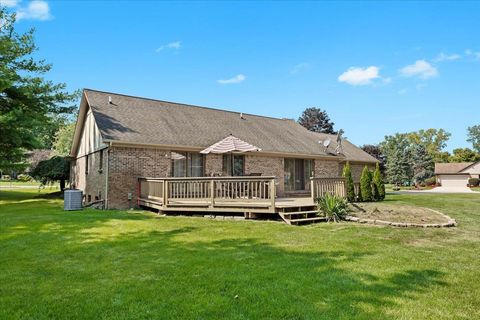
230	144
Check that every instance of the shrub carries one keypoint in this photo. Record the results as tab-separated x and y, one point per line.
366	185
24	178
473	182
347	174
359	195
5	177
430	181
378	184
332	207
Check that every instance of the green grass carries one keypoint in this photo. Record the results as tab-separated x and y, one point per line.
137	265
475	189
33	183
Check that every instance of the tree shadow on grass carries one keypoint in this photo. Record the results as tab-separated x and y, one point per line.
175	273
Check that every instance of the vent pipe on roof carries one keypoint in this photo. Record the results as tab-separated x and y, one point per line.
109	100
241	115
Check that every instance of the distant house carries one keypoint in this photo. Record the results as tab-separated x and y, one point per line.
119	138
456	174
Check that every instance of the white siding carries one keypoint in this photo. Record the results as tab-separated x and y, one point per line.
90	139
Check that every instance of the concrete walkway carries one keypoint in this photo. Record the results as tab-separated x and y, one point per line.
438	190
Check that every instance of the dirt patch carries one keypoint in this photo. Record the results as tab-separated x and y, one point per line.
398	215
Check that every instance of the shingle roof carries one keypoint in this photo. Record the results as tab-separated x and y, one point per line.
147	121
450	168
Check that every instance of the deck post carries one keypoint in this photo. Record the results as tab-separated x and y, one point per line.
312	189
272	193
212	193
165	193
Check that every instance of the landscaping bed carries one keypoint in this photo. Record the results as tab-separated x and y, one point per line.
398	215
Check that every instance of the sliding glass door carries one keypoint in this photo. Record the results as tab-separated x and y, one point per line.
297	174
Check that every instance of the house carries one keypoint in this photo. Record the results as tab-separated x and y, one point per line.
456	174
120	138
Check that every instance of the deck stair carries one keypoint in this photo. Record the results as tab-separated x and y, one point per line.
300	215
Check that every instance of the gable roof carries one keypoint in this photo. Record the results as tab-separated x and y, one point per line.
146	121
451	168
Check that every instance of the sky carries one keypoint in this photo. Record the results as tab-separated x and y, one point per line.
377	68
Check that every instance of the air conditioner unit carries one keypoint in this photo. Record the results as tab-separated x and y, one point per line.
72	200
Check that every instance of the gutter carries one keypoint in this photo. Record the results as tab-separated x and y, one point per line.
107	174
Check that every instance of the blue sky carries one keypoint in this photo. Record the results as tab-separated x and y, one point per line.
377	68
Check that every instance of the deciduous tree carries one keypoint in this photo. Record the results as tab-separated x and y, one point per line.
474	136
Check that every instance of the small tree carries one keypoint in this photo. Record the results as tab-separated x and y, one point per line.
51	170
378	185
366	185
347	174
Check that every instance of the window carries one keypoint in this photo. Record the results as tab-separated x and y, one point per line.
100	164
233	165
187	164
297	173
86	164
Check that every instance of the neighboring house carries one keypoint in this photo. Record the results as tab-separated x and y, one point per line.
119	138
456	174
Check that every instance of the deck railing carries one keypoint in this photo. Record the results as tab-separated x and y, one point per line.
321	186
239	193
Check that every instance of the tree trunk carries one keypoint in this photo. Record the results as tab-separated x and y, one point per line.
62	185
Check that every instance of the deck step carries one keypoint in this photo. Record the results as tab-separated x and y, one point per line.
315	219
299	212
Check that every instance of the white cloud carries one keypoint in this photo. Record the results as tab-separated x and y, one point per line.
172	45
470	53
9	3
447	57
237	79
421	69
35	10
357	76
299	67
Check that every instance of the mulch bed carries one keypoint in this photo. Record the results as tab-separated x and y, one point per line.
398	215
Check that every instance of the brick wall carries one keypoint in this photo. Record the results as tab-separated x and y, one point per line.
93	183
267	166
126	165
357	169
213	165
326	168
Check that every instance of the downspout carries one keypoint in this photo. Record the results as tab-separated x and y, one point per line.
107	173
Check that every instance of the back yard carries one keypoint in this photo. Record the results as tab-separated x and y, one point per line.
116	264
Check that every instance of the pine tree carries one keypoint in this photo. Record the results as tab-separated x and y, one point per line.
378	185
422	164
366	185
347	174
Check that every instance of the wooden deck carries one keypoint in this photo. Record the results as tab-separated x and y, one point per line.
248	195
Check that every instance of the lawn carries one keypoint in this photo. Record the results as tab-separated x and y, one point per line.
137	265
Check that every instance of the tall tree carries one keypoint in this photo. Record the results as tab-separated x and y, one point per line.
474	136
316	120
422	164
434	140
63	139
28	102
464	155
399	162
376	152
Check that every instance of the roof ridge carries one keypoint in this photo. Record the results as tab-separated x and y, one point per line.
188	105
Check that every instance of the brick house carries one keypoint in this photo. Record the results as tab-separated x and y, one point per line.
119	138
